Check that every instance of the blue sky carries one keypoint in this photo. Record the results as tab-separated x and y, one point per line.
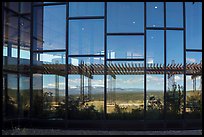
87	36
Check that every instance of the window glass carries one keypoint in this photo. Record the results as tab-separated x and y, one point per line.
24	88
193	25
174	95
155	47
155	14
125	90
13	6
155	96
193	97
37	95
125	17
49	58
174	14
12	101
174	43
86	37
86	9
125	47
53	26
86	88
53	96
193	57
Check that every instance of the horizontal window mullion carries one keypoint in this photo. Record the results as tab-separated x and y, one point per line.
88	55
49	4
41	51
194	50
123	59
162	28
86	17
121	34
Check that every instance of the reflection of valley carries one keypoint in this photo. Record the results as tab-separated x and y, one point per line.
129	103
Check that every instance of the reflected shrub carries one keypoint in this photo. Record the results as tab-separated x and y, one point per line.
174	102
121	114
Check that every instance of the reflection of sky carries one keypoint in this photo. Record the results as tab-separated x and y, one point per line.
54	27
123	17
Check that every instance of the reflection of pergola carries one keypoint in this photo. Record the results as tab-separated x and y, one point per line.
193	69
118	69
88	70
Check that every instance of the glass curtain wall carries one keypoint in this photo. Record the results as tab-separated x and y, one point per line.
102	60
16	59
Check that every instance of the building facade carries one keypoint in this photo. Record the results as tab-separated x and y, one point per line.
103	61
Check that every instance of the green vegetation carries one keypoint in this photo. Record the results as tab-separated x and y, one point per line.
126	105
175	102
194	104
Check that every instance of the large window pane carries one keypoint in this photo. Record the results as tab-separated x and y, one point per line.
86	37
174	14
25	42
37	109
193	97
49	58
12	100
155	47
53	97
193	57
54	26
125	90
125	16
194	85
193	25
24	88
86	88
10	40
155	14
155	96
86	9
174	95
125	47
174	43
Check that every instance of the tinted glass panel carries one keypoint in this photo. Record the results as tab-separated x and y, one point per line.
12	100
24	96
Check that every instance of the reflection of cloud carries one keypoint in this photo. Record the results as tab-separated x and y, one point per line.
51	85
94	82
177	78
150	61
137	55
191	60
157	79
